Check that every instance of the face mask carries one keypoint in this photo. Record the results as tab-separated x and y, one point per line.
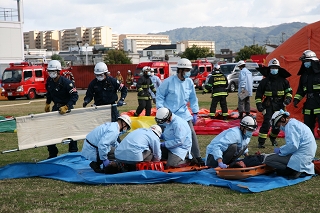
274	71
282	128
123	131
152	74
187	74
248	134
149	73
307	64
53	74
100	78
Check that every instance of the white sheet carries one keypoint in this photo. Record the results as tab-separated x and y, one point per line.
51	128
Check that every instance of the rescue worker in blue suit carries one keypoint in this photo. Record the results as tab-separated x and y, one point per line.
144	97
245	84
175	93
218	84
103	89
142	144
63	93
226	147
309	87
176	147
295	157
101	142
273	93
156	83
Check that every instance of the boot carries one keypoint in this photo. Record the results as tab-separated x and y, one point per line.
261	143
240	115
135	115
224	118
273	141
96	167
247	113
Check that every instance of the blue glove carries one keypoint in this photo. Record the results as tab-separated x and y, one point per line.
120	102
195	118
162	145
277	150
222	165
106	162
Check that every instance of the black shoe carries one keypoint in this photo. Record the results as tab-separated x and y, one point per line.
261	146
96	167
200	161
294	175
135	115
274	143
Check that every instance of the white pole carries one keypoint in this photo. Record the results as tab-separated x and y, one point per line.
86	45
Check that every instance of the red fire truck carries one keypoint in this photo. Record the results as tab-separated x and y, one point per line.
200	70
26	80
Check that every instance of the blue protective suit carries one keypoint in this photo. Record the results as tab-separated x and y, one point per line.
177	137
103	137
222	141
156	83
175	94
131	147
245	81
301	144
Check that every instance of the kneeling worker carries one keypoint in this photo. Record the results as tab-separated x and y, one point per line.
226	147
101	142
295	157
177	138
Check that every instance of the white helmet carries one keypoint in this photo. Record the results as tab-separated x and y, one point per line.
151	69
249	122
100	68
118	72
274	62
156	129
277	116
129	70
184	63
216	67
54	65
240	63
126	119
146	68
308	54
163	115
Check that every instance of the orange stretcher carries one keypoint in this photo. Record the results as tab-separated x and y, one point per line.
160	166
241	173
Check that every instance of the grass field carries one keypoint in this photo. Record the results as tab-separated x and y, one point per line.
47	195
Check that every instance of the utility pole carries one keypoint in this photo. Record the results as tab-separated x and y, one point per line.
254	40
282	37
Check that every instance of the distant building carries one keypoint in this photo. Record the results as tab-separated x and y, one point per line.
208	44
270	47
160	50
225	55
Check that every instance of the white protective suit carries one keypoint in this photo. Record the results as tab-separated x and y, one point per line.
156	83
175	94
103	137
131	147
177	136
222	141
245	81
301	144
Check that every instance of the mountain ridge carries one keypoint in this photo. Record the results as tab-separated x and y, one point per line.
235	38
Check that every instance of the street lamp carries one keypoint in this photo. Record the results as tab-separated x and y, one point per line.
86	45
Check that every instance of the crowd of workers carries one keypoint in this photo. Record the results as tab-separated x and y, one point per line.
173	138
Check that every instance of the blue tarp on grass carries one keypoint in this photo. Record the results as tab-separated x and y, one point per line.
73	168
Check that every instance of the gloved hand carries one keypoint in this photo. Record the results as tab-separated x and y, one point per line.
203	92
154	101
295	103
260	108
222	165
84	104
286	101
63	109
194	118
47	108
242	89
106	162
276	150
120	102
162	145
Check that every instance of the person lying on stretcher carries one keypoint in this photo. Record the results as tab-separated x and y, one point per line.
227	147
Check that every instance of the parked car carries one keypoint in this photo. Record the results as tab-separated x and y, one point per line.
231	71
257	77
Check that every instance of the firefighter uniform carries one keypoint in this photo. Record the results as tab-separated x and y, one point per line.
309	86
218	83
144	96
105	92
273	93
61	93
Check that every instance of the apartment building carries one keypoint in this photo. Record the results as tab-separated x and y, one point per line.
208	44
143	40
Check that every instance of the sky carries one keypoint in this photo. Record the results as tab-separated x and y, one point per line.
146	16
